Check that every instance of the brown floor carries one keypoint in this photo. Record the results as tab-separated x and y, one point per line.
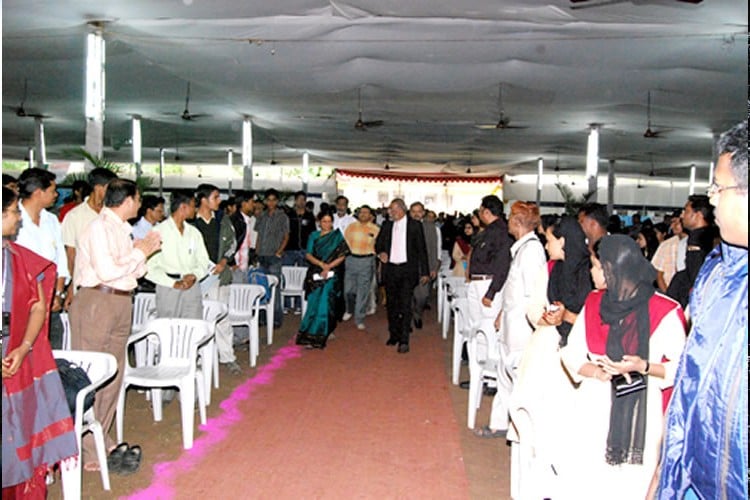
332	449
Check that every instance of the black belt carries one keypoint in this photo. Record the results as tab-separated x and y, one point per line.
174	276
397	265
480	277
361	256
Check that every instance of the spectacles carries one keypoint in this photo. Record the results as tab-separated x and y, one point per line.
715	189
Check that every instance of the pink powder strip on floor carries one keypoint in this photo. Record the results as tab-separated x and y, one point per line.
215	430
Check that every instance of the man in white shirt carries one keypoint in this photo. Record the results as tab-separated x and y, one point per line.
40	232
152	213
527	274
342	218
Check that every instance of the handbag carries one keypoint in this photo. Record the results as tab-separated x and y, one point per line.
622	387
74	378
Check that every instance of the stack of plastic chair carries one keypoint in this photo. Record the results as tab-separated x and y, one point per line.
144	309
244	307
273	285
100	367
176	366
455	287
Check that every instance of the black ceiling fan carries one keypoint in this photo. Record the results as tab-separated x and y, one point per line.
587	4
186	114
360	124
503	121
650	132
21	110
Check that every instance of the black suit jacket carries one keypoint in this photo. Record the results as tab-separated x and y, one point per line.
416	250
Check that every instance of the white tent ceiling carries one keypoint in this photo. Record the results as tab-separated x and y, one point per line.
430	72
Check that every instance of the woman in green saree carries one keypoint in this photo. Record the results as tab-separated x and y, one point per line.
326	249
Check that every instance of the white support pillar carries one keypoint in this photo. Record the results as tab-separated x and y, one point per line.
39	144
137	145
305	171
161	171
230	162
247	153
592	160
95	93
611	187
539	177
691	188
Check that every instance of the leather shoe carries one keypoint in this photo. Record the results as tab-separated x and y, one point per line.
391	341
464	384
418	324
403	348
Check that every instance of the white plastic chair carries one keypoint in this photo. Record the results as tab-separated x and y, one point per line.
294	284
455	288
100	367
144	309
177	365
213	312
273	285
66	331
483	361
243	311
461	327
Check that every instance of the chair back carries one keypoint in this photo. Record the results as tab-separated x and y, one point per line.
461	323
99	366
144	305
273	285
214	311
294	278
66	331
455	286
243	298
179	339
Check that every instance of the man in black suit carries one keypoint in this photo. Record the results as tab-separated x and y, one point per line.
401	248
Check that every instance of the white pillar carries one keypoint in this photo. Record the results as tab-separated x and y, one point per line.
592	160
247	153
611	187
691	189
137	145
539	176
230	162
305	171
41	149
161	171
95	94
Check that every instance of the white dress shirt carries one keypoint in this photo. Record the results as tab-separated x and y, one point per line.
398	242
44	239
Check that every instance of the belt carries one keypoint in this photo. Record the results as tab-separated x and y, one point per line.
397	265
480	277
174	276
112	291
361	256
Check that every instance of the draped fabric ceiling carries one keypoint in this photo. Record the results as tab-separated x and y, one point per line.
430	71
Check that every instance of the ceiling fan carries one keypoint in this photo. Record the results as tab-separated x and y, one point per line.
650	133
587	4
503	122
20	110
186	114
360	124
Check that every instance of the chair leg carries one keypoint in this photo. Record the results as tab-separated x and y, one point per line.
70	470
101	452
200	391
252	329
120	415
187	405
156	403
269	323
475	398
216	367
456	361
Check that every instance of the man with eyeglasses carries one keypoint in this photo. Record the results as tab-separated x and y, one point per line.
705	442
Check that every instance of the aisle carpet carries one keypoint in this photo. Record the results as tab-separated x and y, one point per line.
355	420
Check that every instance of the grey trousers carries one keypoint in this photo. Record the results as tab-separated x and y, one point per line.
173	303
357	284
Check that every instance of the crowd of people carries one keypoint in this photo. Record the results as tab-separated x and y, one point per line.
590	315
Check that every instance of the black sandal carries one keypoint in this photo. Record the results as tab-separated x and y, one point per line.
131	461
114	459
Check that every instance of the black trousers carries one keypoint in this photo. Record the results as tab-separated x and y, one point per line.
399	289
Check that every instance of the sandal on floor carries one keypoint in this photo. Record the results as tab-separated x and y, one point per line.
486	432
115	456
131	461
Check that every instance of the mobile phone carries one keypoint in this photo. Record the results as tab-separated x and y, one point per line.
552	307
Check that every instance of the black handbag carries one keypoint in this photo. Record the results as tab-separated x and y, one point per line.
74	378
622	387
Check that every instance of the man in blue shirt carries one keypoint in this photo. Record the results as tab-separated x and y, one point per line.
705	443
